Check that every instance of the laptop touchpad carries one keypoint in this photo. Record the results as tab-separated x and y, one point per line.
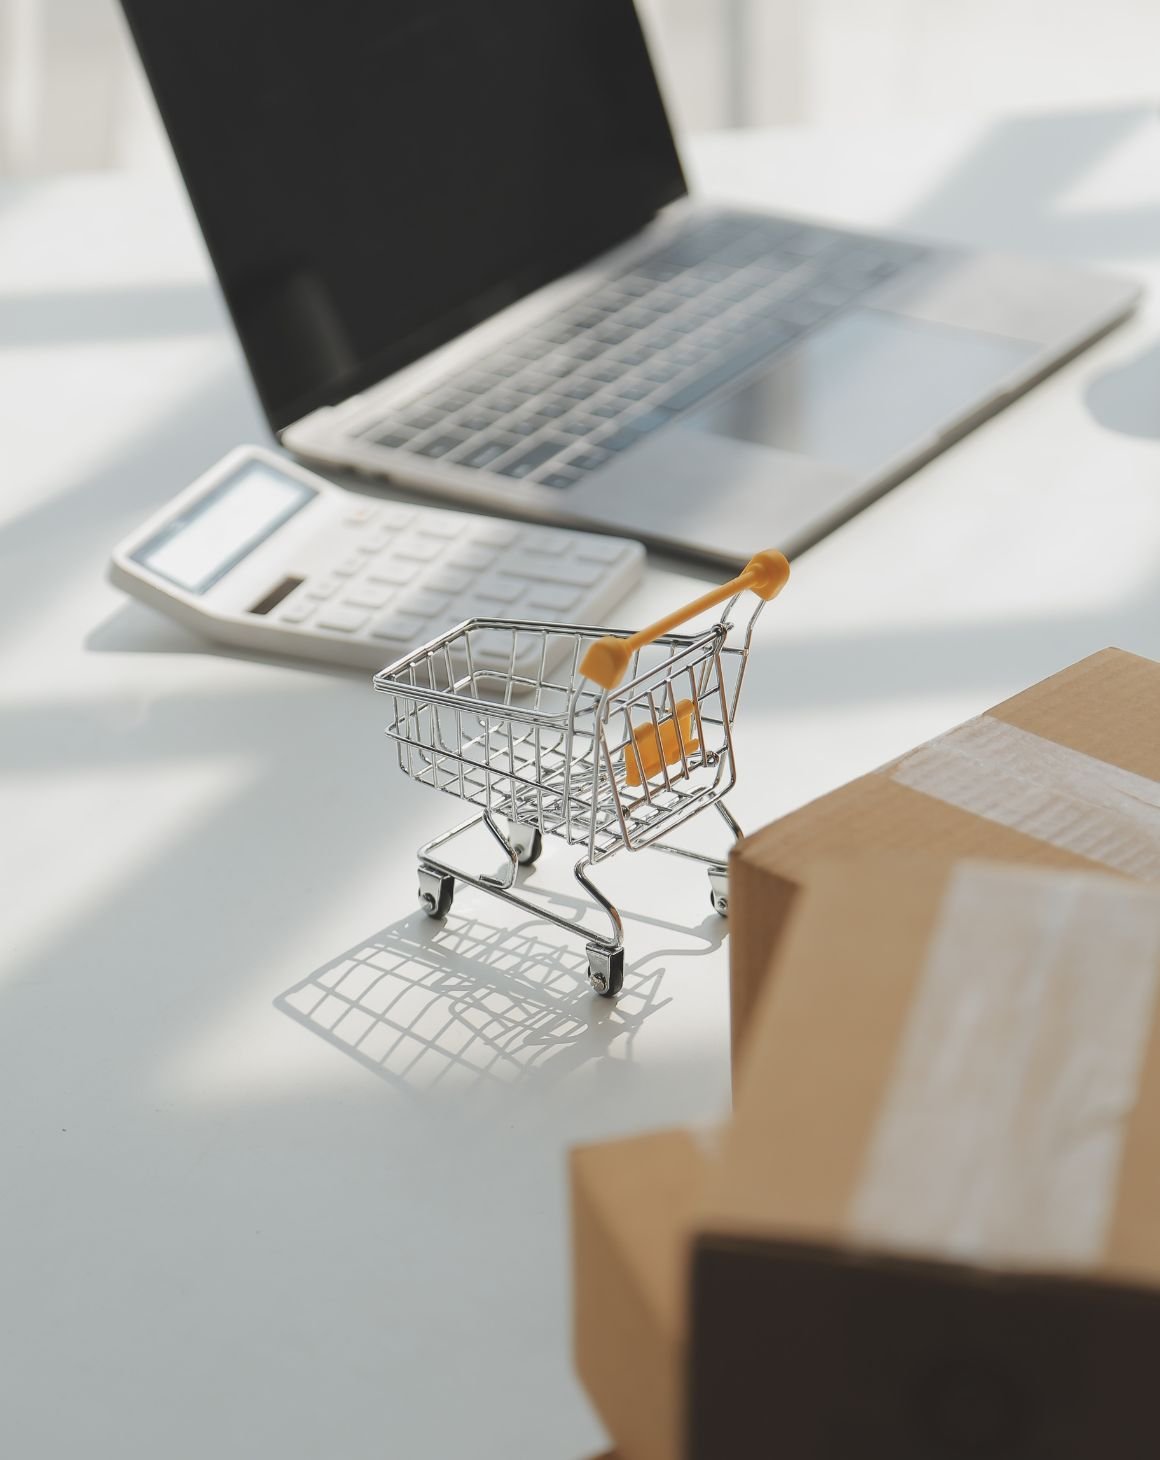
865	388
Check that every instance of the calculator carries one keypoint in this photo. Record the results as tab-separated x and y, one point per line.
261	553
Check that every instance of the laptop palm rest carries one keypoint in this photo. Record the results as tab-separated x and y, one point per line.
867	387
797	449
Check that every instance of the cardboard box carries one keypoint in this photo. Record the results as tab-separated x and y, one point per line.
1061	775
933	1227
631	1201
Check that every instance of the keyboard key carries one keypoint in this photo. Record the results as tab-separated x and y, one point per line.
341	620
558	479
706	384
447	401
349	567
588	460
580	388
635	430
440	445
476	419
485	453
522	465
422	420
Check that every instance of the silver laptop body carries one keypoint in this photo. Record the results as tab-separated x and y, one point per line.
854	361
458	247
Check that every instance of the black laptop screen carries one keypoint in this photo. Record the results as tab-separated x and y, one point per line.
375	176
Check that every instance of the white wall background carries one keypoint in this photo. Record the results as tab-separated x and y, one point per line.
71	98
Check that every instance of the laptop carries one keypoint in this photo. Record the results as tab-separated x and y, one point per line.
457	244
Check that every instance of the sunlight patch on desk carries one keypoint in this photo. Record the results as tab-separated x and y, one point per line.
82	845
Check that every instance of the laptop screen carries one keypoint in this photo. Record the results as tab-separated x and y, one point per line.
373	177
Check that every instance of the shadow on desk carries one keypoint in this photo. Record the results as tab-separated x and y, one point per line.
456	1003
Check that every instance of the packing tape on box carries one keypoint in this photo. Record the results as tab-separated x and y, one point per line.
1001	1131
1053	793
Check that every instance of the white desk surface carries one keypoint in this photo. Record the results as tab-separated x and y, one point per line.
242	1215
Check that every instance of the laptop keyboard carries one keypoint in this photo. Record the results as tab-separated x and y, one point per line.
644	347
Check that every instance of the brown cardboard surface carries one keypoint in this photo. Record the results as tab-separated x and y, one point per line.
805	1331
1106	706
630	1205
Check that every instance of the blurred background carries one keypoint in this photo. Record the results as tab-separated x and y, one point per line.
72	99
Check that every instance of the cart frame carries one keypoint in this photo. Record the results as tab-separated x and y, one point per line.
584	755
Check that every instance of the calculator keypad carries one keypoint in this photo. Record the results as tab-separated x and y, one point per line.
399	576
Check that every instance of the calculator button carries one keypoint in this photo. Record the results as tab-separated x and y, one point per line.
470	556
341	620
492	644
422	602
360	513
553	595
445	527
549	544
395	571
401	627
448	580
321	587
500	589
296	612
599	550
494	534
367	595
348	567
375	540
419	549
553	570
397	517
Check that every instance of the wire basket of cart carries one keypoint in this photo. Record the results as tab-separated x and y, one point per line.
608	742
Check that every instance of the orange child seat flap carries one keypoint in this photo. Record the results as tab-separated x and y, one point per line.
650	753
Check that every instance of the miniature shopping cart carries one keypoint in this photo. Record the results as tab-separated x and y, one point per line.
606	741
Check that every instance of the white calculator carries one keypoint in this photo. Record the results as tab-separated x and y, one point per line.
262	553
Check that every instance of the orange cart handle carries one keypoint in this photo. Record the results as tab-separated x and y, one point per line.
606	660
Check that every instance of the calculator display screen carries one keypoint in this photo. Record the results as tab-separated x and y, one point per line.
217	531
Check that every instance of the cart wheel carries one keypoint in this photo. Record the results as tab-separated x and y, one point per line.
720	903
527	842
436	892
719	891
605	970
